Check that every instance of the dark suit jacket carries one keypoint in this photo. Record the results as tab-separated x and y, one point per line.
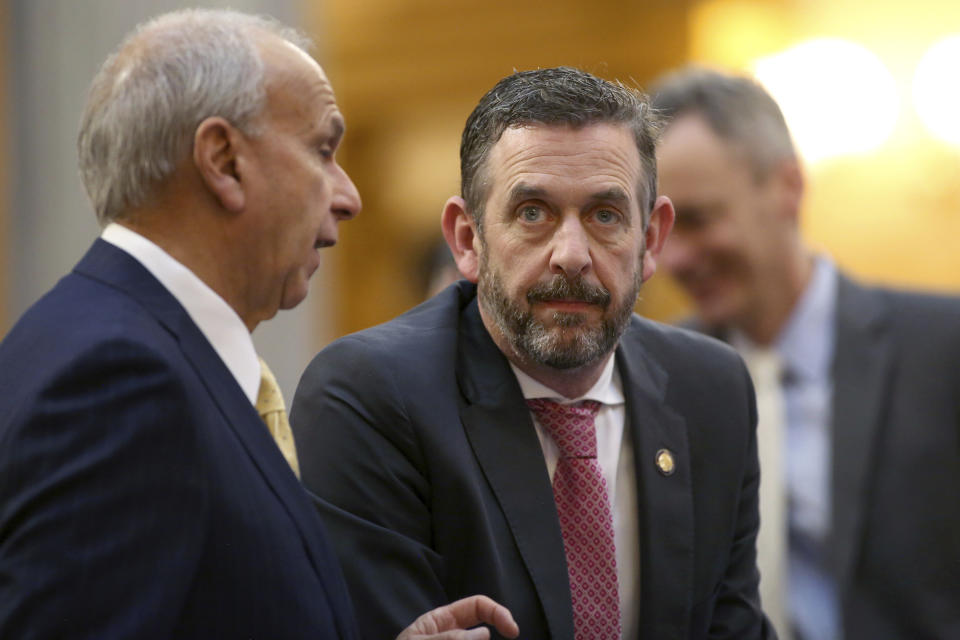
895	544
433	485
140	494
896	463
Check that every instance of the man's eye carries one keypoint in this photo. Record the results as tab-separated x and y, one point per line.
606	216
531	214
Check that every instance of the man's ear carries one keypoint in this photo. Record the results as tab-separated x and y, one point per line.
789	176
661	222
216	144
460	232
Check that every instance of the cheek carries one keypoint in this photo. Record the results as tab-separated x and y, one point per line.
615	269
722	240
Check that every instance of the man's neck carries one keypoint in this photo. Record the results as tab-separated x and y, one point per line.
777	301
190	250
569	383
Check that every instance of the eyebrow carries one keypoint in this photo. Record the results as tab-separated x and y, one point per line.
523	191
614	195
338	128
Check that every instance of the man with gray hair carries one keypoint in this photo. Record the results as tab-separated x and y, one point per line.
857	387
141	494
523	434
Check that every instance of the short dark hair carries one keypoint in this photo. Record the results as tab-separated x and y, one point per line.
735	107
558	96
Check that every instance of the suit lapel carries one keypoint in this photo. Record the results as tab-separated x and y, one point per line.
115	267
665	502
501	433
862	369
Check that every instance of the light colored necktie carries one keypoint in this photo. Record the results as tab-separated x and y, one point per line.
271	409
586	519
766	368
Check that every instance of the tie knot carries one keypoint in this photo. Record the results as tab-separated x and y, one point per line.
570	425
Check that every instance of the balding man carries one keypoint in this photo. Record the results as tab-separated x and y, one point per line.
141	495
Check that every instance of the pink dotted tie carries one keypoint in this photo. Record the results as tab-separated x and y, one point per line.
586	521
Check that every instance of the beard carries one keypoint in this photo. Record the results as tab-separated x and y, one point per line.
571	341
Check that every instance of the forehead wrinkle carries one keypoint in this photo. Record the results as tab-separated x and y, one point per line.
613	194
551	154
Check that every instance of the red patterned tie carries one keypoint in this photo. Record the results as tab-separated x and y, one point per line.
586	520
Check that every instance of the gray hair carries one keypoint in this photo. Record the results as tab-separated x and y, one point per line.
558	96
166	77
735	107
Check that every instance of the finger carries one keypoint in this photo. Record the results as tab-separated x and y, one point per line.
480	633
423	629
481	609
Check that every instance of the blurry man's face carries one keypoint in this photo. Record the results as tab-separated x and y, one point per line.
299	191
562	242
726	238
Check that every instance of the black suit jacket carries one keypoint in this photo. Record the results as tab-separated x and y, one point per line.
141	496
895	447
433	485
896	463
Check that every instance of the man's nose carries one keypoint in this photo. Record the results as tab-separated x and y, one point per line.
571	248
346	199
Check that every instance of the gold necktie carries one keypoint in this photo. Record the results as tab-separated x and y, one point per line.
271	409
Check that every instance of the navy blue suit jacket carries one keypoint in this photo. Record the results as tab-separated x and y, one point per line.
140	494
432	482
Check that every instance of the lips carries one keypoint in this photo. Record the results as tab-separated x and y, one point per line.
567	302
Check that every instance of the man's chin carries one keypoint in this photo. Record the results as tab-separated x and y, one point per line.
564	347
717	312
562	320
294	295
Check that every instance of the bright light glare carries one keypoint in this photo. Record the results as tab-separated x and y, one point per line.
837	96
936	92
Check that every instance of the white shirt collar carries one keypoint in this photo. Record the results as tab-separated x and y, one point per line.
216	319
607	390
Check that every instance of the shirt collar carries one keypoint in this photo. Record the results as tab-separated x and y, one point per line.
216	319
607	390
806	342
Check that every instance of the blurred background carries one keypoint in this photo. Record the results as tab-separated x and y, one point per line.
871	90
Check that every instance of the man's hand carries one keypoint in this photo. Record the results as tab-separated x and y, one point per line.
451	621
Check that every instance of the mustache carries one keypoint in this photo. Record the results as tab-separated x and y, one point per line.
562	288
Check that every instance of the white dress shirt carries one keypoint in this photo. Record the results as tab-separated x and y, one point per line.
615	457
217	320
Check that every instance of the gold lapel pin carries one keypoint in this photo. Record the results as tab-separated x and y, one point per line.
665	462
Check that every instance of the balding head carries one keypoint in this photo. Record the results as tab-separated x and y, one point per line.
736	108
165	78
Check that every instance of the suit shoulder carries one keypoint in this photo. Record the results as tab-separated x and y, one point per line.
679	342
929	304
916	318
696	368
109	345
428	330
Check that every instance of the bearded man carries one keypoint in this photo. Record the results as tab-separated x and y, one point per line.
523	434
